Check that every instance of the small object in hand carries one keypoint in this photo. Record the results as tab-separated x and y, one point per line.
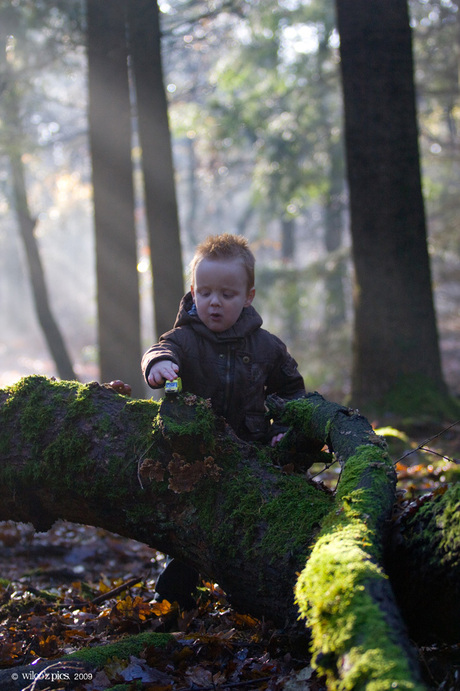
174	386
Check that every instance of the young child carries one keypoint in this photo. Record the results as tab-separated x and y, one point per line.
221	352
218	346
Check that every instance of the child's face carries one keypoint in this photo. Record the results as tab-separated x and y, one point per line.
220	291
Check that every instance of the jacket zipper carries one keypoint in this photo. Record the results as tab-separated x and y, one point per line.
228	379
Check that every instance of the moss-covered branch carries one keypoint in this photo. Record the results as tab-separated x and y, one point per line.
174	476
358	636
170	475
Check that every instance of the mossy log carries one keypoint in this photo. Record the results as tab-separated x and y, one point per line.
171	475
358	637
174	476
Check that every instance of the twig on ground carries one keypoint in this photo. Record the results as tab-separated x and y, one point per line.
115	591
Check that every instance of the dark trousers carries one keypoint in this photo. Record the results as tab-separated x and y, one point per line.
177	582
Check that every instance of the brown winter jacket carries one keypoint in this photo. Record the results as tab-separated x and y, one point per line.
236	369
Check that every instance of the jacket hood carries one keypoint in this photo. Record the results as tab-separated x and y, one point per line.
248	321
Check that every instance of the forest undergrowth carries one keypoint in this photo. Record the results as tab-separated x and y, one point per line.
77	587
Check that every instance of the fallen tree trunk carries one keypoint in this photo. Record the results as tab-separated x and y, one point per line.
175	477
358	637
172	476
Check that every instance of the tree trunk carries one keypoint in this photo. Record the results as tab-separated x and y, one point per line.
333	200
174	476
157	162
110	143
15	313
396	340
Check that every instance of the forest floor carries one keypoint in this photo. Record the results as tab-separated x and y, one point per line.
78	586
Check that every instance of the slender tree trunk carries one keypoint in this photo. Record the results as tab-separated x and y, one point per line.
290	306
110	143
396	337
192	189
288	233
333	207
14	302
335	311
27	225
157	162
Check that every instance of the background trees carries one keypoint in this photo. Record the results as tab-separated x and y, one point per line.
120	34
15	69
157	164
255	111
395	334
110	144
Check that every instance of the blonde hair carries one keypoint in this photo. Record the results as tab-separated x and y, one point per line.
225	246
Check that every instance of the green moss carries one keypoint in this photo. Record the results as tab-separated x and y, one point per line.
447	521
300	415
294	516
60	446
180	419
131	645
30	400
243	499
333	594
313	416
352	642
272	523
371	468
363	493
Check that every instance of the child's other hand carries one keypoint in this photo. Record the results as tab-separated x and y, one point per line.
161	371
277	438
120	387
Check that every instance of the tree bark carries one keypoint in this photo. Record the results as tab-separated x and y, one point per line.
116	245
396	340
157	162
174	476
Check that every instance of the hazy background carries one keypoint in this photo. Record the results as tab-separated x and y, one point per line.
235	124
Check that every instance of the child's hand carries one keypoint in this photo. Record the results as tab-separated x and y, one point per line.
162	370
277	438
120	387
